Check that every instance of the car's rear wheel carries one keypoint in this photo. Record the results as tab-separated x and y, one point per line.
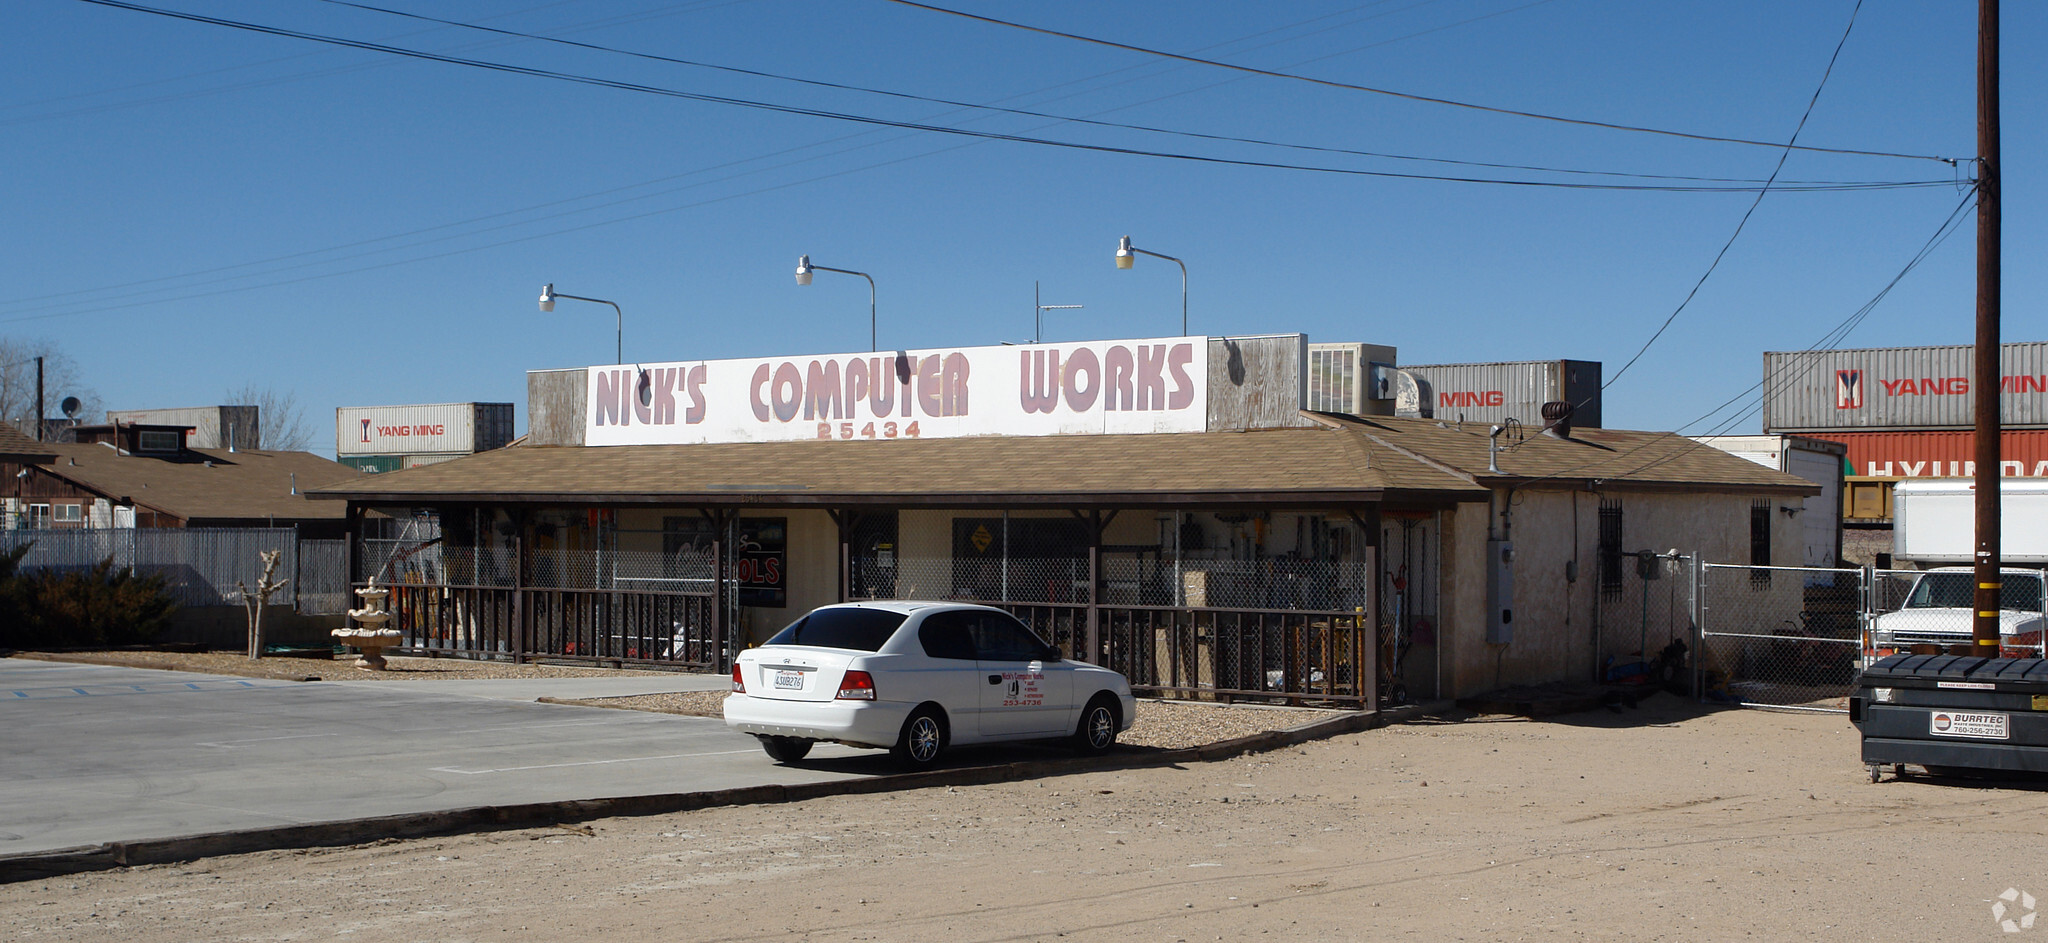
923	738
1099	722
786	749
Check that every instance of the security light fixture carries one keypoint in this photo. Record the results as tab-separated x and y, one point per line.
804	268
1127	256
548	294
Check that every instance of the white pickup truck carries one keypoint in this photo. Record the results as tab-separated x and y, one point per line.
1937	614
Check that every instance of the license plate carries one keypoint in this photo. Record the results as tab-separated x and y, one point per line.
1976	725
790	680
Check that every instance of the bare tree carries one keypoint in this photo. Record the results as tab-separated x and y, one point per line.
61	378
255	601
277	411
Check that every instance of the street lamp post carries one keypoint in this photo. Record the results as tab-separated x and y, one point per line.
548	294
804	268
1127	255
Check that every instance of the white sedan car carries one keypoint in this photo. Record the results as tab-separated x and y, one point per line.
917	677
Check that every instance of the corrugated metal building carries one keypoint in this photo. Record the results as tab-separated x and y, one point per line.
213	427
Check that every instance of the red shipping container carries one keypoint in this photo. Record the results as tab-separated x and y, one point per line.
2023	453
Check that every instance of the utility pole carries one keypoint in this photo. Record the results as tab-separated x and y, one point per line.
39	399
1984	626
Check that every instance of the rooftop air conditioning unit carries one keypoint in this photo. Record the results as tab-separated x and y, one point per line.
1353	379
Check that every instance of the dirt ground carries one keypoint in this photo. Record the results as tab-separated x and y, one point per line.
1664	822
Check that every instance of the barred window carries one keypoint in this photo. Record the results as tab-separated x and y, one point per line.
1760	539
1610	547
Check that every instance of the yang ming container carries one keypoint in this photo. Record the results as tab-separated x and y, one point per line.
445	429
1493	392
1899	388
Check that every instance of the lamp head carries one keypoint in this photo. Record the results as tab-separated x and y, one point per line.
547	297
803	270
1124	256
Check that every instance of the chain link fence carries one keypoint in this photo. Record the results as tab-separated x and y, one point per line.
1795	637
201	566
1789	637
1925	611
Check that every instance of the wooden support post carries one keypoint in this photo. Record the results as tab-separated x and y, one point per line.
1095	525
521	611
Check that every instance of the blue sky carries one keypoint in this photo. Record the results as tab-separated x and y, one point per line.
364	229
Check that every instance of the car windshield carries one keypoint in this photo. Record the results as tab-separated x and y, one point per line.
860	630
2021	592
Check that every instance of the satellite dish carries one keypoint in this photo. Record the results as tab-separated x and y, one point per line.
70	406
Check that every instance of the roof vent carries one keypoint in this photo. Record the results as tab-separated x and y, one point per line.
1557	419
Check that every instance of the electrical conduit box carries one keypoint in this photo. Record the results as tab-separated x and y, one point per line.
1500	592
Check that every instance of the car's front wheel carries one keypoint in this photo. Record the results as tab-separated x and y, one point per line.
923	738
1097	731
786	749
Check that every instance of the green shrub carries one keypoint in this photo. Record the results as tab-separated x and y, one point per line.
100	607
14	607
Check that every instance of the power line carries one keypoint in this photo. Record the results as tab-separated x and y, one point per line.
1118	125
1404	95
1831	340
1782	157
985	135
103	305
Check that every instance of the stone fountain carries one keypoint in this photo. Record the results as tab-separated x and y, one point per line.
369	636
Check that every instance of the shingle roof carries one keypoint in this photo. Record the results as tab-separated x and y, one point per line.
1414	460
1643	460
240	485
14	443
1303	464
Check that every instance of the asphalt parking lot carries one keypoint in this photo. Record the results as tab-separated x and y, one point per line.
92	753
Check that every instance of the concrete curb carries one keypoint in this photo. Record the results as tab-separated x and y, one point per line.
34	865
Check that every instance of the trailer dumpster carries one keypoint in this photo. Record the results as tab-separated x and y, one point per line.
1950	713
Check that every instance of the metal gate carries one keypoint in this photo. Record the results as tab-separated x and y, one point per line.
1795	637
1781	637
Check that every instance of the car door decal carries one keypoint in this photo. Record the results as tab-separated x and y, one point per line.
1024	689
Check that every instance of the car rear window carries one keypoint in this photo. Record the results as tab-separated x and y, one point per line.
860	630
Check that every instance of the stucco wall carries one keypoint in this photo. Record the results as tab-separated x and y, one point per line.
1554	638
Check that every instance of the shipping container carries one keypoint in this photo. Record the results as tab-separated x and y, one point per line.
213	427
2023	453
385	463
1815	460
434	429
1494	392
1899	388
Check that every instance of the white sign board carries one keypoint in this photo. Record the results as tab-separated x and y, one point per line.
1977	725
1100	387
